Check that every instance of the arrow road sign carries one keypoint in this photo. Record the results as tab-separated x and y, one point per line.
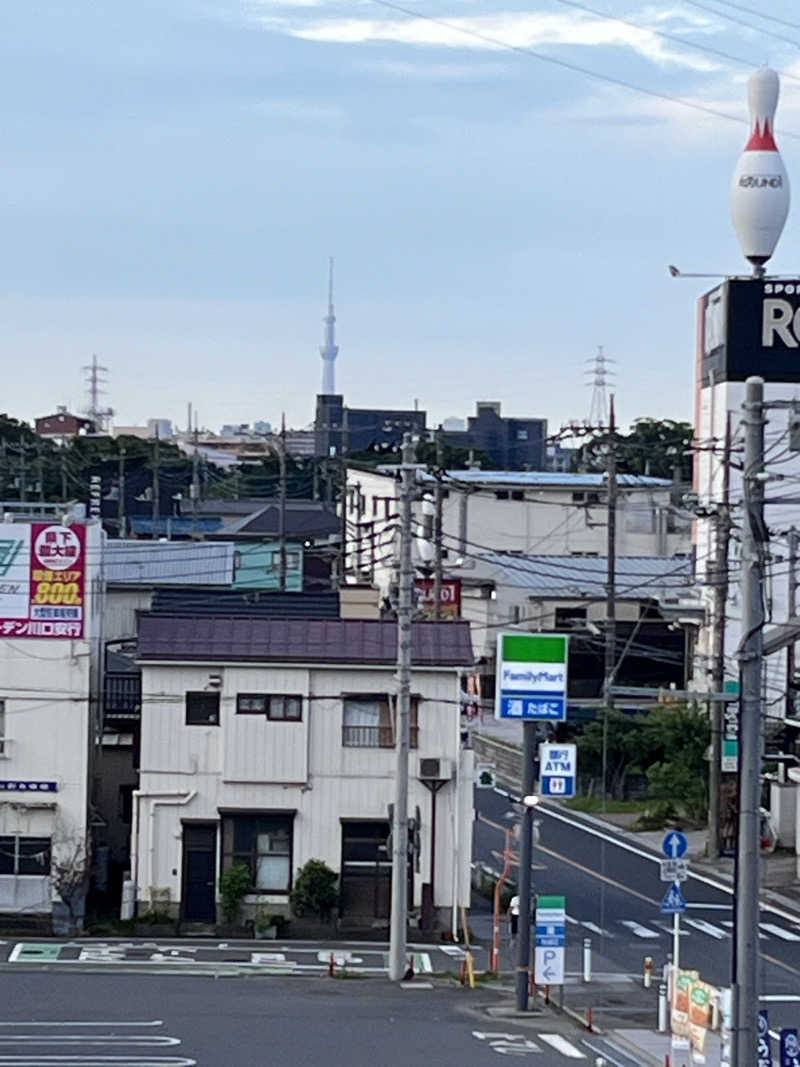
675	845
674	901
674	870
549	966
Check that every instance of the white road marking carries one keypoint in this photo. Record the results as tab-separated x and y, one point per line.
560	1044
454	951
710	907
707	928
146	1040
668	928
416	985
101	954
571	921
96	1061
62	1022
781	998
597	929
729	924
779	931
638	929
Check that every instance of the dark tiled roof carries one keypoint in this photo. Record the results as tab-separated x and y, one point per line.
247	602
351	641
302	519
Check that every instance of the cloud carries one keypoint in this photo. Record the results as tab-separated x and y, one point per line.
515	29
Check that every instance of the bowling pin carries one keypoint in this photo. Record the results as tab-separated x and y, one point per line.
760	188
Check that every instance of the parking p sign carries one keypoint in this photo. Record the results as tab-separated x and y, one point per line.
558	770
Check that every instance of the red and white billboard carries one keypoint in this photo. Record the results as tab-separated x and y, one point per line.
449	600
42	580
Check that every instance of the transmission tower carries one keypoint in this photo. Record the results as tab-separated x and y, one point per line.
95	376
599	375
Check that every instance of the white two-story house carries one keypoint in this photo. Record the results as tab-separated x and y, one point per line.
270	742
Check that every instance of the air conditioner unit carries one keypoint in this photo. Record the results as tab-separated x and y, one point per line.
435	769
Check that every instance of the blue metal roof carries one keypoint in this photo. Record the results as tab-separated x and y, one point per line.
544	479
585	576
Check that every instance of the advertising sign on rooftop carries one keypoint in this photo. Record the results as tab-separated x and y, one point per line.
42	580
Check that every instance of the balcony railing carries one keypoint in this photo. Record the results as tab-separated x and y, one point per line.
122	695
373	736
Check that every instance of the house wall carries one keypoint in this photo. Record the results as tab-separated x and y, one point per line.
250	763
45	686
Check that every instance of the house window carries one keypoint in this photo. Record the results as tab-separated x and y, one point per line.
501	494
517	494
276	708
569	618
368	722
522	435
2	728
202	709
25	855
263	843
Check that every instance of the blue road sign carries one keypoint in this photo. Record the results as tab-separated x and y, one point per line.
675	845
790	1048
674	902
764	1050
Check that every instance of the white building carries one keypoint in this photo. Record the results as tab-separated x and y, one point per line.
526	512
270	742
50	631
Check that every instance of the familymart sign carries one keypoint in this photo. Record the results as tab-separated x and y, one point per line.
531	676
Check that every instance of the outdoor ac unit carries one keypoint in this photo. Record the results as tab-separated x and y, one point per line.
435	769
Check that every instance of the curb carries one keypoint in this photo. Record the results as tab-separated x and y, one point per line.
635	1050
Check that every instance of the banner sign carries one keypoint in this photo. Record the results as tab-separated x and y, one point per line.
764	1050
531	676
28	787
42	580
449	597
790	1047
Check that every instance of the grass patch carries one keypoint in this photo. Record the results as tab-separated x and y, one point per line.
596	805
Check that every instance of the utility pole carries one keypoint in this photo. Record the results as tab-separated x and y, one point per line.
611	586
23	491
746	987
792	611
282	504
63	465
718	579
399	917
343	501
195	482
525	864
156	485
437	529
40	470
121	520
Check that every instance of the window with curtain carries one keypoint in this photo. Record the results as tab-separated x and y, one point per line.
263	844
25	855
368	722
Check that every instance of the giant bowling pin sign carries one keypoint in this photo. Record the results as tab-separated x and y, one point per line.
760	189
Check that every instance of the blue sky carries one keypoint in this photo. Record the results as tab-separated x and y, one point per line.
175	174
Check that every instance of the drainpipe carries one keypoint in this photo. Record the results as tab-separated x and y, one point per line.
162	797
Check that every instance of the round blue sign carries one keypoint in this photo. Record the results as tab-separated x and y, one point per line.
675	845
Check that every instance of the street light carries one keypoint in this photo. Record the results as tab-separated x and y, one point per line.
530	801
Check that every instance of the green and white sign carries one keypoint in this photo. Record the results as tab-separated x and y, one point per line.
531	676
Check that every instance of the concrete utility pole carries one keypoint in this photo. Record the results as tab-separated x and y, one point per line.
282	505
437	530
399	918
525	862
23	474
156	484
121	498
746	989
611	587
718	579
791	613
195	481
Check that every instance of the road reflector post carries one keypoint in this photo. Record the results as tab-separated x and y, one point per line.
648	971
587	959
331	966
547	994
590	1020
662	1008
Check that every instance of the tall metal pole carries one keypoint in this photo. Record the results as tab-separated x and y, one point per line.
525	863
437	530
746	990
156	485
282	505
122	531
791	612
719	583
399	918
611	587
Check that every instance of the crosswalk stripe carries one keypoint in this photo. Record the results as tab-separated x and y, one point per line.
637	928
560	1044
707	928
571	921
597	929
668	928
729	924
786	935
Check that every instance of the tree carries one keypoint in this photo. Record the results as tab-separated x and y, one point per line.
681	736
654	447
69	877
314	889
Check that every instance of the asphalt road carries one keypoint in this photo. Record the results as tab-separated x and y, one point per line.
614	894
78	1019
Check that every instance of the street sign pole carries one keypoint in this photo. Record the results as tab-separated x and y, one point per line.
525	864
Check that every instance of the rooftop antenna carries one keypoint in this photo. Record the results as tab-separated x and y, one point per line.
329	350
599	373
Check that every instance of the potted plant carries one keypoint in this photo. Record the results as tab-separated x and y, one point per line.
234	885
154	923
314	896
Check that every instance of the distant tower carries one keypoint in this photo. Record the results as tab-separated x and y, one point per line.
95	380
330	350
599	374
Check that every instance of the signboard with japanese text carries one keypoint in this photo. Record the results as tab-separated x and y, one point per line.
449	597
531	676
42	580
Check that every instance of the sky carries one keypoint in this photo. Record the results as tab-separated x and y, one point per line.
174	175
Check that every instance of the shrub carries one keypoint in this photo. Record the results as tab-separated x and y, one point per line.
234	884
314	890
